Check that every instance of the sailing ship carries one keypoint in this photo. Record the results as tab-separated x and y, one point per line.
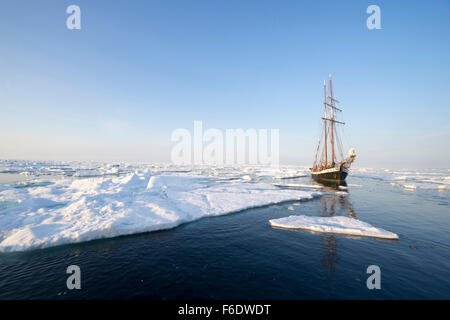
329	162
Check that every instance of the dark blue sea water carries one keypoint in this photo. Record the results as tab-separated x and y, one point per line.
240	256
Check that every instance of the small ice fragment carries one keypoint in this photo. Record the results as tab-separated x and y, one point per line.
290	176
299	186
338	225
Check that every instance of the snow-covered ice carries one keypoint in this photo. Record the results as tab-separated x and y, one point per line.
337	224
419	178
71	210
298	186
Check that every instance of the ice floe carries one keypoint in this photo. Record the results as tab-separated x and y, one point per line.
298	186
74	210
337	224
420	178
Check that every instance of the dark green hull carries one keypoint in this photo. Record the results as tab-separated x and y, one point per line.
336	176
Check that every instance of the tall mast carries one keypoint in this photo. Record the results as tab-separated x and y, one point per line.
325	121
332	122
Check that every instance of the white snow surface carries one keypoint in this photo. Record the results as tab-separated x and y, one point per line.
68	210
337	224
420	178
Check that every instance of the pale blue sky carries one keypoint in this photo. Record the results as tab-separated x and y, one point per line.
137	70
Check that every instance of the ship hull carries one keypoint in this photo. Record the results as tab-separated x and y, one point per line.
331	175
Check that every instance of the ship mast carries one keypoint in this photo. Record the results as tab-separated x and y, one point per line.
332	122
322	150
324	121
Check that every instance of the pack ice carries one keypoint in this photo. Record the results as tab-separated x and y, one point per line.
337	224
75	210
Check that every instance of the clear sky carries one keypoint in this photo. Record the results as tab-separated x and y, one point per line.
137	70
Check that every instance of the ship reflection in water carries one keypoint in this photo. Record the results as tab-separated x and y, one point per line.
330	206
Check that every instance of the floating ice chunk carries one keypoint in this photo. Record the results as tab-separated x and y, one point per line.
421	178
290	176
341	193
299	186
71	211
338	224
